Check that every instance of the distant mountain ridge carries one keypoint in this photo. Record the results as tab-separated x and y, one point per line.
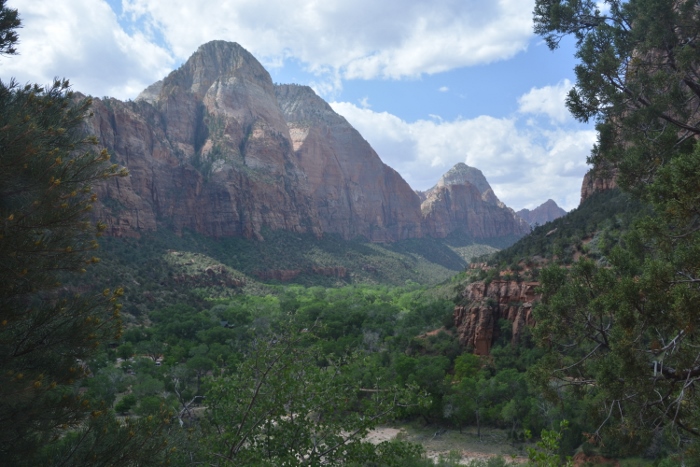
463	201
546	212
217	148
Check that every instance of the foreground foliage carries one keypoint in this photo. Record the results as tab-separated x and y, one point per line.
46	174
623	333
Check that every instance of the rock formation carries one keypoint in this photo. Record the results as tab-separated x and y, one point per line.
597	180
486	304
463	201
354	193
217	148
210	148
545	212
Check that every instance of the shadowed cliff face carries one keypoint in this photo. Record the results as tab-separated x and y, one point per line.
463	201
217	148
545	212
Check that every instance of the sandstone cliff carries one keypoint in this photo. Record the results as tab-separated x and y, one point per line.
354	193
463	201
217	148
545	212
207	149
486	304
597	180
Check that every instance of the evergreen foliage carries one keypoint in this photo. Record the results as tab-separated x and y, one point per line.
623	333
47	169
49	332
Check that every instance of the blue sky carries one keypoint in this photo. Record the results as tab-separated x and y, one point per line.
429	83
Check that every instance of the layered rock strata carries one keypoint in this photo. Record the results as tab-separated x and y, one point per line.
487	303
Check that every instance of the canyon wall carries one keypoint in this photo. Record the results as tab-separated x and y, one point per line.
217	148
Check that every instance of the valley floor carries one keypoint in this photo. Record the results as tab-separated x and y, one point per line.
448	443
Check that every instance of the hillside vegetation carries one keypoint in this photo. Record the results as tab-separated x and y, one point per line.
162	268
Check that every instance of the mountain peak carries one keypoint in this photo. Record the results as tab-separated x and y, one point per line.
546	212
461	174
215	60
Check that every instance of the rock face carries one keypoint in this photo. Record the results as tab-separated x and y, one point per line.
597	180
207	149
353	192
463	201
477	322
217	148
546	212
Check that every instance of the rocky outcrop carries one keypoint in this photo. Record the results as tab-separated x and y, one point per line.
463	201
339	272
545	212
486	304
597	180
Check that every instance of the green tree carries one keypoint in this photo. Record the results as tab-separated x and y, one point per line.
279	407
47	171
624	335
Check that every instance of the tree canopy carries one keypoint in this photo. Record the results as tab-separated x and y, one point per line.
47	330
622	331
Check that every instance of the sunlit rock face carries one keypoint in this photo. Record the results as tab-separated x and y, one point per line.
463	201
353	191
487	303
217	148
597	180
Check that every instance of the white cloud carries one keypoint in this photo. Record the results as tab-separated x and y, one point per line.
443	89
334	39
525	166
82	40
360	39
548	100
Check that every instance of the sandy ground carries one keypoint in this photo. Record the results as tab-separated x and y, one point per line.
442	444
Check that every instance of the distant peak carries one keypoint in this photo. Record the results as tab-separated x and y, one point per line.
545	212
462	174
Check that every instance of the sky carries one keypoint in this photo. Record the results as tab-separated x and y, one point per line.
429	83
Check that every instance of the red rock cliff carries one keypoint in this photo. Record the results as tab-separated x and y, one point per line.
486	304
596	181
353	191
217	148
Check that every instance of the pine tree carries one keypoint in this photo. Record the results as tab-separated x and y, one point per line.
625	334
47	330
